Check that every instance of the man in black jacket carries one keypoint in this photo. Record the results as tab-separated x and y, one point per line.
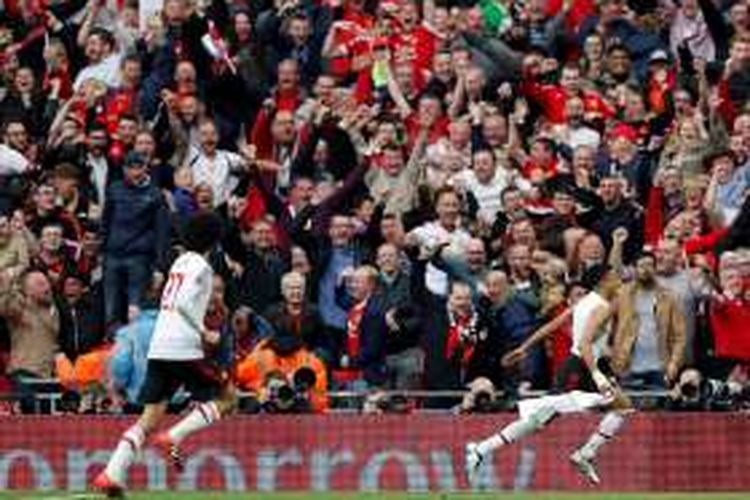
288	33
364	345
264	263
615	212
455	341
81	317
395	290
295	315
135	237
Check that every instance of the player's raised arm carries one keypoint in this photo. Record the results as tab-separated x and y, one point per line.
519	353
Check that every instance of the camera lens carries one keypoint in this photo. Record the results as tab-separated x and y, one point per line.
304	379
482	400
689	391
285	393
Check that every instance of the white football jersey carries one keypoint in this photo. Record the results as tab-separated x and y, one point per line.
184	301
582	311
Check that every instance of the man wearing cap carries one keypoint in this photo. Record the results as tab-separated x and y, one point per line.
649	341
661	81
135	237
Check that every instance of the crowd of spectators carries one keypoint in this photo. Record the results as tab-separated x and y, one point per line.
409	188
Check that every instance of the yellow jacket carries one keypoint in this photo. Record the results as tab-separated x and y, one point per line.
670	328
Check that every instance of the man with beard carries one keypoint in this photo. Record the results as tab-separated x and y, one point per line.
216	167
649	341
34	324
576	132
96	164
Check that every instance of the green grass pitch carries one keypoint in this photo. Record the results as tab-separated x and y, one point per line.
384	496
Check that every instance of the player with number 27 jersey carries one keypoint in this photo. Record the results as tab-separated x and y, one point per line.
184	301
175	360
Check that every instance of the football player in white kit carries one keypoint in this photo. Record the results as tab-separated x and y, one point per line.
596	388
176	357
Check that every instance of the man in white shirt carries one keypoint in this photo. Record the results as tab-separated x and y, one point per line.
12	162
486	183
176	358
97	164
575	132
449	155
215	167
445	230
104	62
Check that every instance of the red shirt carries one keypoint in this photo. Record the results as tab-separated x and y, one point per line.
730	325
350	33
417	46
579	11
552	99
531	170
288	100
66	87
726	108
558	346
439	129
118	103
658	93
352	346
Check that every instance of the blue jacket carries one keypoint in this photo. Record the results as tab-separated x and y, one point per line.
135	222
130	355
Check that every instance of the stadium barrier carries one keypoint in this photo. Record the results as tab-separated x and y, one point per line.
49	392
420	452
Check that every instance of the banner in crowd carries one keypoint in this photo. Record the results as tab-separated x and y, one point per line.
655	452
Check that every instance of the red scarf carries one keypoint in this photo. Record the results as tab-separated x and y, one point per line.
455	340
352	330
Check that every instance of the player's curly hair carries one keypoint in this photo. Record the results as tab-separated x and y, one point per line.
202	232
593	276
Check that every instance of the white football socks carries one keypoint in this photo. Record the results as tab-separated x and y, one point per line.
608	428
126	452
203	415
510	433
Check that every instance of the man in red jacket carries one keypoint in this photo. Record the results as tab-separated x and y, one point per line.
729	314
552	98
